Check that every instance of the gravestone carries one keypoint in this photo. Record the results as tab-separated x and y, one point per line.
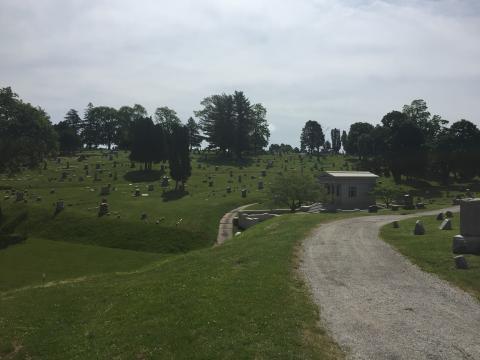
395	207
260	185
216	168
448	214
164	182
419	228
440	217
373	209
151	187
468	242
446	225
59	206
210	184
407	202
263	173
143	216
244	193
132	165
137	192
97	166
460	262
395	225
19	196
103	208
239	178
229	189
231	173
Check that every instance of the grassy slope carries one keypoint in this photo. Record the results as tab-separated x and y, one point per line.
433	251
25	264
240	300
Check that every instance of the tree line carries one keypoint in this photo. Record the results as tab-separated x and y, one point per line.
414	143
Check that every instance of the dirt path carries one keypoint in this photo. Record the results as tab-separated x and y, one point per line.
225	228
378	305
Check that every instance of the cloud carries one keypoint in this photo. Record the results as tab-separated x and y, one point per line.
333	61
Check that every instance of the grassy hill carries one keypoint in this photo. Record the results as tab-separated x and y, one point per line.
119	286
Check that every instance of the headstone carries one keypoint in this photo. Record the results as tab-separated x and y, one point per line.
137	192
260	185
216	168
164	182
229	189
151	187
103	208
19	196
395	225
420	205
64	175
446	225
59	206
132	165
395	207
143	216
263	173
244	193
97	166
210	184
459	245
407	202
449	215
419	228
239	178
373	209
440	217
96	177
460	262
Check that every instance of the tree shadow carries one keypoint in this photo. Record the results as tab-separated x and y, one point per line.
219	160
172	195
143	175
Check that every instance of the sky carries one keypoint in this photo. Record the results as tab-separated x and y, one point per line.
336	62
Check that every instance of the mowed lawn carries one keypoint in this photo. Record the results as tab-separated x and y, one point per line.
241	300
433	251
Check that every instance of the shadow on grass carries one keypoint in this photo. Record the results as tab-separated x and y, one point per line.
172	195
219	160
143	175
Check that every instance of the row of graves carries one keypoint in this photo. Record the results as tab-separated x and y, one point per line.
468	241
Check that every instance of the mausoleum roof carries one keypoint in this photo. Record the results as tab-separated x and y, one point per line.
349	174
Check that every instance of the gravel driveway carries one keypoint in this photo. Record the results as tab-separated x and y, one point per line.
377	304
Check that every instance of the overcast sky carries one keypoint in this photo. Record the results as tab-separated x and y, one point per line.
336	62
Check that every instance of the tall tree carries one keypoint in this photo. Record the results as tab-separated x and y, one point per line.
68	139
344	139
126	117
179	156
260	132
312	137
106	123
243	123
356	130
336	140
194	133
90	128
73	120
167	118
148	142
26	133
465	137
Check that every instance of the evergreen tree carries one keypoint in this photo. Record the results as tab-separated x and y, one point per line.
336	140
312	137
148	142
344	140
167	118
261	132
179	156
194	133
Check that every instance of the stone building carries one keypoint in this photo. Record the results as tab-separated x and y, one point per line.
348	190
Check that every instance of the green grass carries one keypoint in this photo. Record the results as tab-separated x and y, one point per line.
433	251
240	301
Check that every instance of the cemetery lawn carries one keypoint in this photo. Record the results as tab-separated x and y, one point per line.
239	300
432	252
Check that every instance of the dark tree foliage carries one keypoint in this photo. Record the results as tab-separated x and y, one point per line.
90	132
465	149
344	139
195	138
336	140
73	120
26	134
126	117
312	137
232	125
356	130
148	142
179	155
167	118
68	140
280	148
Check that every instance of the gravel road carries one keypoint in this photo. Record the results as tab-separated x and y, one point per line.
377	304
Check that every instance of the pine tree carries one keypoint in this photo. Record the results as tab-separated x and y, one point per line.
179	156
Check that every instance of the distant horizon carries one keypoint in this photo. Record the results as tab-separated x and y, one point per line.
333	62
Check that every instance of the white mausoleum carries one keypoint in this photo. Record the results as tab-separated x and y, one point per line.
348	190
